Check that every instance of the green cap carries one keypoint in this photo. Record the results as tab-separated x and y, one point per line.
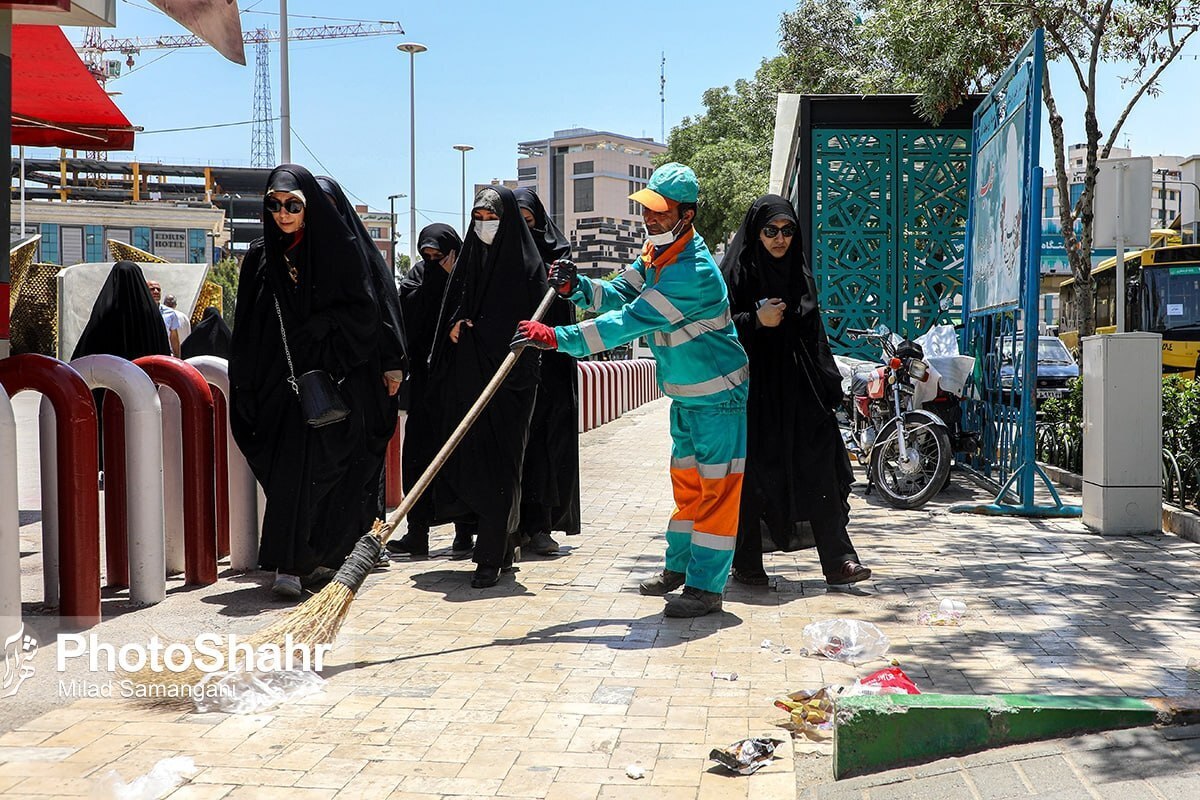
670	183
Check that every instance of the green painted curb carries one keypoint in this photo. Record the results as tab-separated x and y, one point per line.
876	732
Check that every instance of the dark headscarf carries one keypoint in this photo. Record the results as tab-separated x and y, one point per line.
393	349
492	285
549	239
421	292
125	320
210	337
439	236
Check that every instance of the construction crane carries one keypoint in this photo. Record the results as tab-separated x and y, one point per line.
262	151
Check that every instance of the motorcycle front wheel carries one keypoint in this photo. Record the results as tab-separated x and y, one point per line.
911	482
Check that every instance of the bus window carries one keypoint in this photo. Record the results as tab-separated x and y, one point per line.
1171	298
1105	310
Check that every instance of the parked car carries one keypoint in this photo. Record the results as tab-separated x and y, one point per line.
1055	369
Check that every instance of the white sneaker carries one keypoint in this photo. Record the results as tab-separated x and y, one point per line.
287	585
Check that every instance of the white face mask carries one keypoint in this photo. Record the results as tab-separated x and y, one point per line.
486	229
662	239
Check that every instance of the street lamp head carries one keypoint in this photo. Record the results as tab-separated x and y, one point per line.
462	148
412	48
396	196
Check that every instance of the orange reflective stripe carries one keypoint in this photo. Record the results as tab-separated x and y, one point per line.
720	500
687	491
670	254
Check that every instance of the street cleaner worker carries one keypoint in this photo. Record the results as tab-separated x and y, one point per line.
675	296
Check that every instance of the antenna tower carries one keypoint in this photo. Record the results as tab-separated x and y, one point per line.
262	146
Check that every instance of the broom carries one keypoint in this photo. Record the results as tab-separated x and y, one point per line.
317	620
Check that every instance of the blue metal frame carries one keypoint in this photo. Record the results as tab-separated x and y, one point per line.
1007	425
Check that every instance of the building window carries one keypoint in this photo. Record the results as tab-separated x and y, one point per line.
585	199
376	233
526	173
584	167
1048	203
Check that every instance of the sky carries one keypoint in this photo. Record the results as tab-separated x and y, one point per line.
495	74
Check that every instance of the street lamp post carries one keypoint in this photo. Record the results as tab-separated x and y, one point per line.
392	206
412	48
463	148
285	99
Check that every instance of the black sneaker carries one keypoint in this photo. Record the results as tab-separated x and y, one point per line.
693	602
666	581
543	543
413	544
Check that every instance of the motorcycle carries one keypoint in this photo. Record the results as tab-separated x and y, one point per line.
906	448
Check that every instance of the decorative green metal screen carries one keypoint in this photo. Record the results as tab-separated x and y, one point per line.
888	228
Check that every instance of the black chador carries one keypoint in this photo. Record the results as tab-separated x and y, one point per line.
125	320
550	486
210	337
421	293
392	345
312	477
796	464
493	287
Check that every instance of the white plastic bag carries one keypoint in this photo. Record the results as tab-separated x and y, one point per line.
158	782
847	640
248	692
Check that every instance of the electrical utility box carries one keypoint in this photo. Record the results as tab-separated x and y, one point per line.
1122	433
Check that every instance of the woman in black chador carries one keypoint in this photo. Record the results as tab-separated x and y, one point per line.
550	485
306	276
393	349
796	464
210	337
421	297
498	280
125	320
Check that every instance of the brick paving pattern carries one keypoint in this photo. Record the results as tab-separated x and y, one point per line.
552	683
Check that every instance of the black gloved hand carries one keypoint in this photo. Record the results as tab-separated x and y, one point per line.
564	276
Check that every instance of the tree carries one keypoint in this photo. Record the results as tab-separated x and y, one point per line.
225	274
824	51
963	43
402	265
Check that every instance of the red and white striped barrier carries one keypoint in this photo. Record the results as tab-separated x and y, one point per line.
607	389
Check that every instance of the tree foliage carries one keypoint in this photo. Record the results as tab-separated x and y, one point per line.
225	274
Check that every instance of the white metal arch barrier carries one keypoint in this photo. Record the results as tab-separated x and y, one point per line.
608	389
10	544
143	469
243	490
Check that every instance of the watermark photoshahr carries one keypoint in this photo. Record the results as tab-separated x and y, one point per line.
208	653
18	651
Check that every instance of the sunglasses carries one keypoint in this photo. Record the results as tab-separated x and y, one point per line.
770	231
292	205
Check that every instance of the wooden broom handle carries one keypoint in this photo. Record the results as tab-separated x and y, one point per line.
443	455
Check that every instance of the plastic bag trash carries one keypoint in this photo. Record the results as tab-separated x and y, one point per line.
848	640
248	692
747	756
724	676
635	771
765	644
164	777
890	680
810	711
949	612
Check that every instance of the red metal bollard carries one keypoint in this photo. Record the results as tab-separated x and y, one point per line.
199	491
78	500
221	463
393	479
116	510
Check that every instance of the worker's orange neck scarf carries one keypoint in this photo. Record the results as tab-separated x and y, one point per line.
668	256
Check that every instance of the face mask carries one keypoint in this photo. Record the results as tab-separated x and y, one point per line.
486	229
662	239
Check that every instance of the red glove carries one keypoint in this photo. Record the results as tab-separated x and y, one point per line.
533	334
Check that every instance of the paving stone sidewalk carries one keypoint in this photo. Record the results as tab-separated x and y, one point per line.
552	683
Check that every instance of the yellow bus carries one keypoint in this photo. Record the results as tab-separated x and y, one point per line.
1162	296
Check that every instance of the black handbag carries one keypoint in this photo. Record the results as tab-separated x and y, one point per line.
321	402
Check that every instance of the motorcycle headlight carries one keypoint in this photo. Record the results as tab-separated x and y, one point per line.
918	369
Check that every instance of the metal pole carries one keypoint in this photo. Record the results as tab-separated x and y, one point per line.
285	100
392	231
412	48
22	234
463	148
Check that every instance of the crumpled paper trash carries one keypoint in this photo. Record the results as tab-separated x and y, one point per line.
164	777
746	756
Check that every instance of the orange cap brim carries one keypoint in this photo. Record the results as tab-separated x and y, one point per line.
652	200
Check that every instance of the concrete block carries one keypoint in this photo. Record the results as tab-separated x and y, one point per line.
874	733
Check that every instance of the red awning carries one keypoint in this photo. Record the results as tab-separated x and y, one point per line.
55	100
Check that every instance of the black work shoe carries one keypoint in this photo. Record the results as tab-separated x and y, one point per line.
665	581
410	544
485	576
463	544
750	577
543	544
693	603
